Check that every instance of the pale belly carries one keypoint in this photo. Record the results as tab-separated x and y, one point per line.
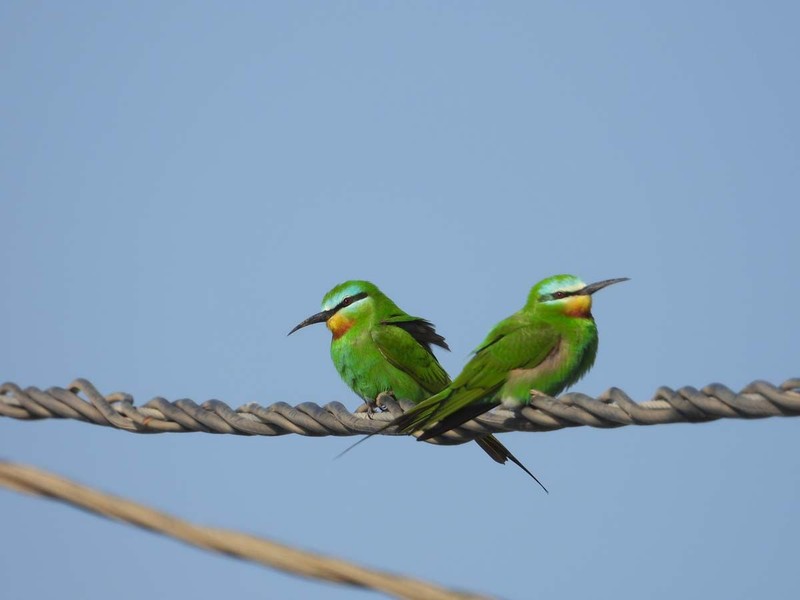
517	389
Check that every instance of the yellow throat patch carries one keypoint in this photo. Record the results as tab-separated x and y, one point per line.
339	324
578	306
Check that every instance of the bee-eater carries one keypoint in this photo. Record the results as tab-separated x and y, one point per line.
376	348
547	346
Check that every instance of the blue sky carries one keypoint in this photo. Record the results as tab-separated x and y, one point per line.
180	185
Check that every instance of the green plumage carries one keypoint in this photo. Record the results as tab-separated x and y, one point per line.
547	346
377	354
377	347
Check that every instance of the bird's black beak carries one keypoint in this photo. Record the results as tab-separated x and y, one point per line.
594	287
320	317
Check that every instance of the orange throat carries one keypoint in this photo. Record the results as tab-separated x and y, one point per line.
579	306
339	325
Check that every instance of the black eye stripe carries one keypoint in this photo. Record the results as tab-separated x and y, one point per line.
559	295
349	300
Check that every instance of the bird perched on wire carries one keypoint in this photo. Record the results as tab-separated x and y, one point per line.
378	348
546	346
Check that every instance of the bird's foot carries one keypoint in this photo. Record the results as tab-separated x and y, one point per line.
380	401
372	406
368	407
536	394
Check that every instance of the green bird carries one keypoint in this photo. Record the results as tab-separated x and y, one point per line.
378	348
547	346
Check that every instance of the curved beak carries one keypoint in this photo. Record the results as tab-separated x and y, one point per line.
594	287
320	317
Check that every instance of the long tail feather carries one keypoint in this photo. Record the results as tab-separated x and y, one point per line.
416	416
460	417
492	446
364	439
408	422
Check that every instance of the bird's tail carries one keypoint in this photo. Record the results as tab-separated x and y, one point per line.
498	452
492	446
419	415
442	421
410	421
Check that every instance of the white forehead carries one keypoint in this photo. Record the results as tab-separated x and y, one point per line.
338	294
566	283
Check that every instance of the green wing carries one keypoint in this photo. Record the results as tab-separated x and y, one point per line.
404	352
405	343
420	329
512	344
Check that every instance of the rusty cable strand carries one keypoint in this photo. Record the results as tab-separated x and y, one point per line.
614	408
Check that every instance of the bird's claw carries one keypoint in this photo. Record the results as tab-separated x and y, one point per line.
380	401
536	394
368	407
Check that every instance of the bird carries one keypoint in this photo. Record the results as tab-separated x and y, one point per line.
378	348
544	348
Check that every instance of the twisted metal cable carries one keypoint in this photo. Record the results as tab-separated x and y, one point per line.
29	480
614	408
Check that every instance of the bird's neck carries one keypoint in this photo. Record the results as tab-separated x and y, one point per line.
349	330
576	320
339	325
579	307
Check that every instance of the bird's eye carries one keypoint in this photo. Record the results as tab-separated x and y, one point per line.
347	301
559	295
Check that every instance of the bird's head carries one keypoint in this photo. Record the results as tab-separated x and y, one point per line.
566	295
345	305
